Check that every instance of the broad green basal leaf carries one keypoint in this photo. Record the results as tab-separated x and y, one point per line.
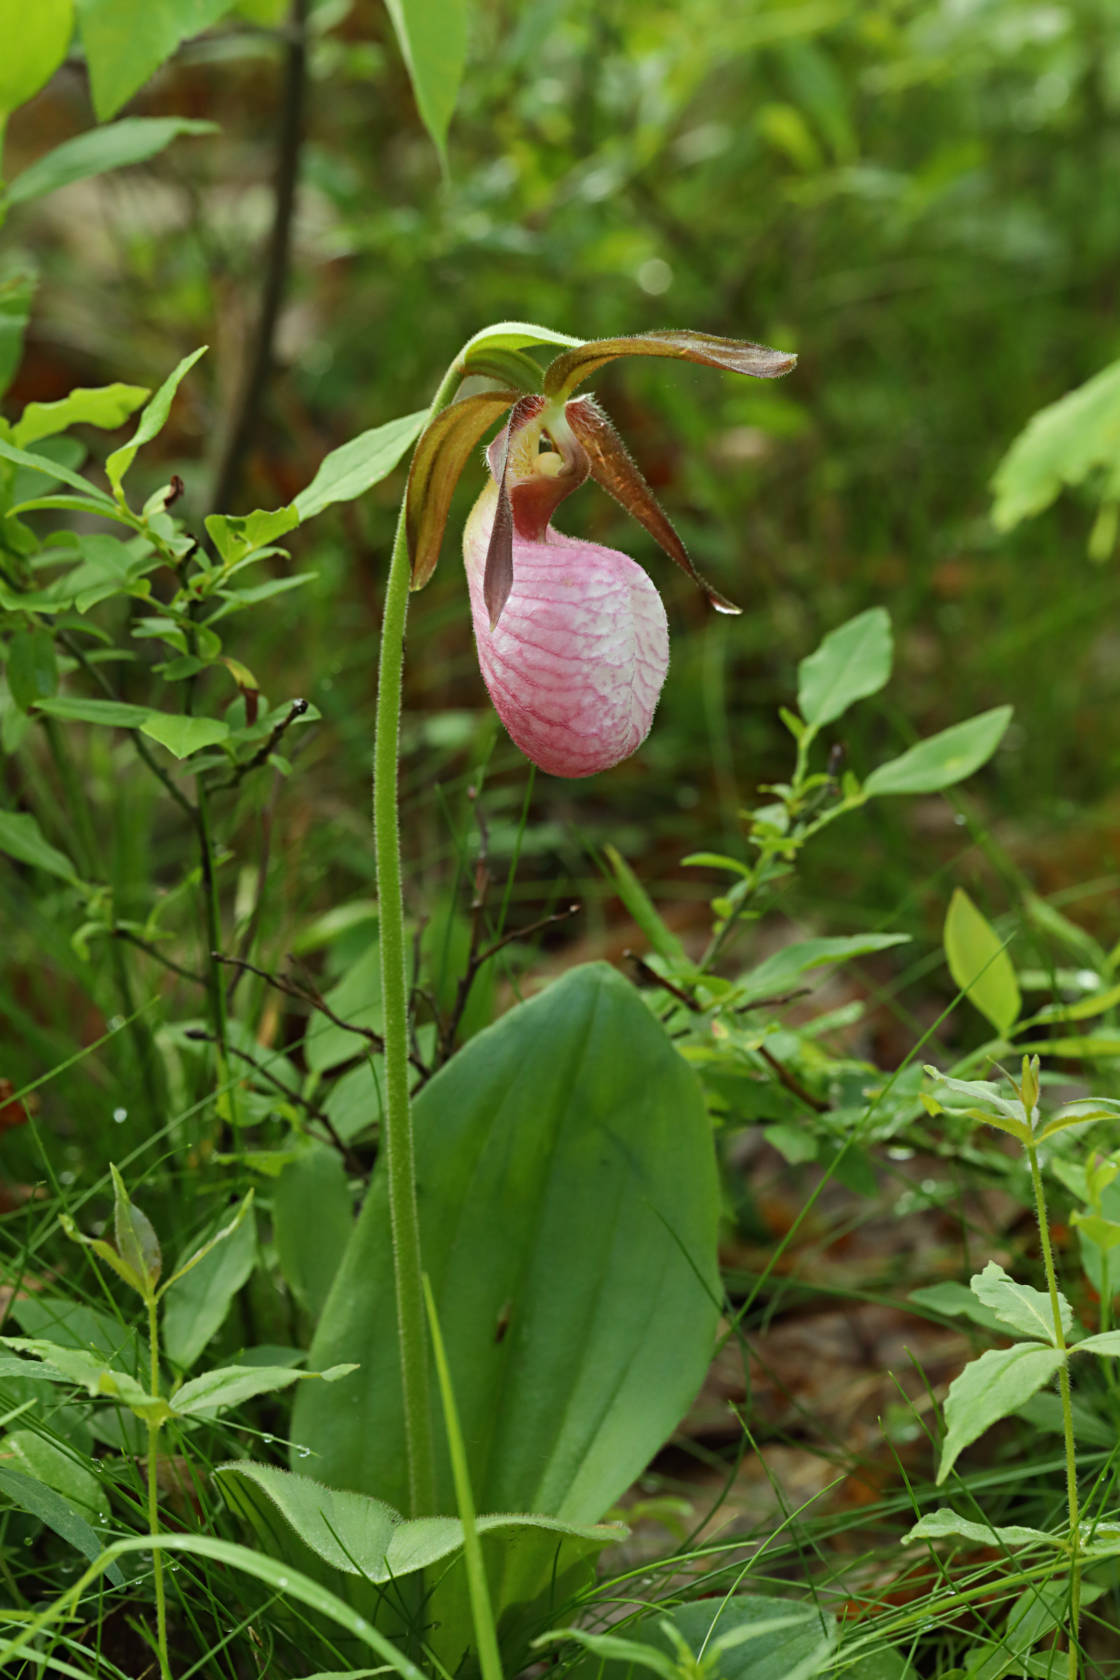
533	1564
568	1208
745	1637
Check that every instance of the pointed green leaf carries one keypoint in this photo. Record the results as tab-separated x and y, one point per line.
58	473
743	1636
107	406
732	355
28	1494
132	141
62	1468
22	838
126	41
214	1391
785	967
198	1296
152	421
1063	444
540	1154
104	1251
851	663
1018	1305
137	1243
513	335
88	1371
979	964
432	36
355	467
943	760
990	1388
35	42
183	735
946	1525
74	708
641	907
1106	1345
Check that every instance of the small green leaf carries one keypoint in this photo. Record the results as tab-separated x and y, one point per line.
74	708
432	36
1106	1345
199	1294
943	760
355	467
104	1251
132	141
183	735
59	473
979	964
152	421
236	538
785	967
1063	444
851	663
87	1371
1016	1304
22	838
35	41
31	669
107	406
126	41
989	1388
214	1391
956	1301
137	1243
946	1525
641	908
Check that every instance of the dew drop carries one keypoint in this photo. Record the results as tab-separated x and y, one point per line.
120	1115
268	1439
281	1580
303	1452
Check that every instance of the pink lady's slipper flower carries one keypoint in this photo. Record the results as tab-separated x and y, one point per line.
572	636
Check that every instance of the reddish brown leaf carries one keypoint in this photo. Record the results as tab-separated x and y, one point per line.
614	469
733	355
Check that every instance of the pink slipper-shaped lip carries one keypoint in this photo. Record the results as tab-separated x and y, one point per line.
577	659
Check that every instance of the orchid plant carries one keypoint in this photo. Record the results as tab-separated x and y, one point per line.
572	636
573	646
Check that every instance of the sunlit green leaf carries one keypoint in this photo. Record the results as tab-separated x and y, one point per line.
214	1391
107	406
1018	1305
355	467
152	421
125	41
979	964
183	735
133	140
944	759
432	35
235	537
35	41
850	664
1062	444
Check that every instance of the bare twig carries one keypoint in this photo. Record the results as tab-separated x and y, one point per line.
791	1081
119	932
277	262
264	753
353	1164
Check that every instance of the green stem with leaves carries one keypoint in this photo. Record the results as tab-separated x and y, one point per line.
1067	1413
397	1129
153	1492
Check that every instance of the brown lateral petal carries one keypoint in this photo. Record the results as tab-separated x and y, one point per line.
498	576
614	469
441	454
732	354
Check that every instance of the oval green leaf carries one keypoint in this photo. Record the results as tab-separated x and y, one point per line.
542	1154
943	760
979	964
